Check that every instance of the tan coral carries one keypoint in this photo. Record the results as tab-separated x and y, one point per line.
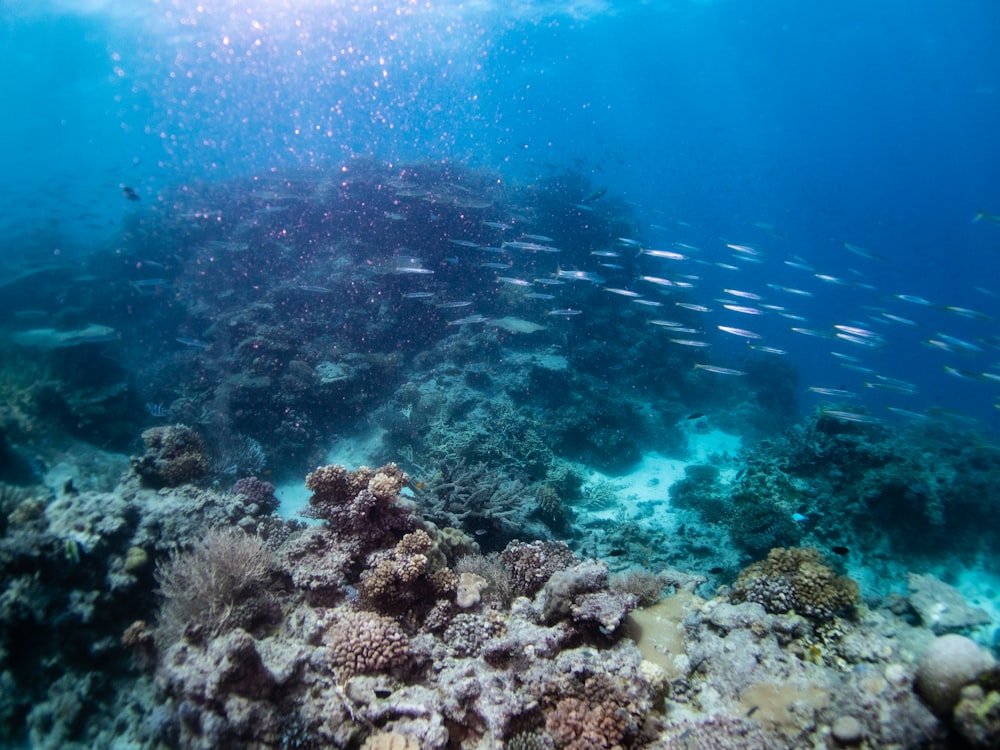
390	741
367	643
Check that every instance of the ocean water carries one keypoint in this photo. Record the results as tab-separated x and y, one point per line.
622	237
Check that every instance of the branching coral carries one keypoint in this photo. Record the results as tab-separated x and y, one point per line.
362	505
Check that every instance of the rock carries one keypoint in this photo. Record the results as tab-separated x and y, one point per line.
950	663
941	607
847	730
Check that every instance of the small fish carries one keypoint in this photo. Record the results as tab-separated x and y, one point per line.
513	281
313	289
767	349
539	295
695	415
468	319
463	243
839	550
718	370
129	193
668	254
580	276
497	225
657	280
689	342
606	254
743	309
416	270
983	216
833	392
195	343
830	279
418	295
567	311
596	195
850	416
739	332
622	292
864	253
744	295
692	306
912	299
538	238
453	305
648	302
965	312
716	570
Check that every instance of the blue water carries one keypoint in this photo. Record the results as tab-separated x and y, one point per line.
871	124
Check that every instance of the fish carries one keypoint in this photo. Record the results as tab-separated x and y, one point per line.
830	279
743	309
689	342
416	270
418	295
739	332
463	243
513	281
693	307
742	294
580	276
850	416
453	305
965	312
695	415
658	280
194	343
621	292
983	216
914	300
498	225
718	370
648	302
539	295
864	253
129	193
832	392
537	238
838	550
596	195
668	254
567	311
529	247
468	319
767	349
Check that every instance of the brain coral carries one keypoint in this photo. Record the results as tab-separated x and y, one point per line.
796	580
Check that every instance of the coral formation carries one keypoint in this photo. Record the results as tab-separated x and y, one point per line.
175	454
796	580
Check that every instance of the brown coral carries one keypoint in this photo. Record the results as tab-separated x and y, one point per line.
367	643
576	724
408	576
175	454
796	580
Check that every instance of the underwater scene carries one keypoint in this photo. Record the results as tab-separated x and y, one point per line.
426	375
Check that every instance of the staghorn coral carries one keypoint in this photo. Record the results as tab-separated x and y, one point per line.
796	580
175	454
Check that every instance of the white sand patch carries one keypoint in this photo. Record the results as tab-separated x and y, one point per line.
981	588
648	483
357	451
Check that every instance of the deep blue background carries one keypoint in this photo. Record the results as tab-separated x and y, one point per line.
872	123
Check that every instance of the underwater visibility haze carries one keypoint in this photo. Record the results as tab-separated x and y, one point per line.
477	374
